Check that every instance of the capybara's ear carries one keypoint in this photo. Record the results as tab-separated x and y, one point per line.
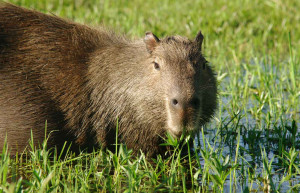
151	41
199	40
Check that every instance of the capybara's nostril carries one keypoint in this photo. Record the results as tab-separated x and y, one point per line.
174	102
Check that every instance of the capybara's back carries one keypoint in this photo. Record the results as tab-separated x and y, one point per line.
84	82
41	57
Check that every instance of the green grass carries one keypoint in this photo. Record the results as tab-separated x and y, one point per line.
252	144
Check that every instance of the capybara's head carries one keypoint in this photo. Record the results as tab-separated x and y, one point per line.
187	81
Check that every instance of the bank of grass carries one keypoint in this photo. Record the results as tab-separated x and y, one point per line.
252	144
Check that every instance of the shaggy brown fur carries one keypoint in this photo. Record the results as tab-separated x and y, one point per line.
82	81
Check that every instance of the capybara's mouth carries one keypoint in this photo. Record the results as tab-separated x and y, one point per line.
176	134
183	131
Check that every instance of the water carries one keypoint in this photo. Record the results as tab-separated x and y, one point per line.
254	162
257	134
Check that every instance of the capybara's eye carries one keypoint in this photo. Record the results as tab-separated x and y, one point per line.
156	66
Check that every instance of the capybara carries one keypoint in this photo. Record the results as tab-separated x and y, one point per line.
79	84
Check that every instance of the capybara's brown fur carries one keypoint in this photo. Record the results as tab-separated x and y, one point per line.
84	82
